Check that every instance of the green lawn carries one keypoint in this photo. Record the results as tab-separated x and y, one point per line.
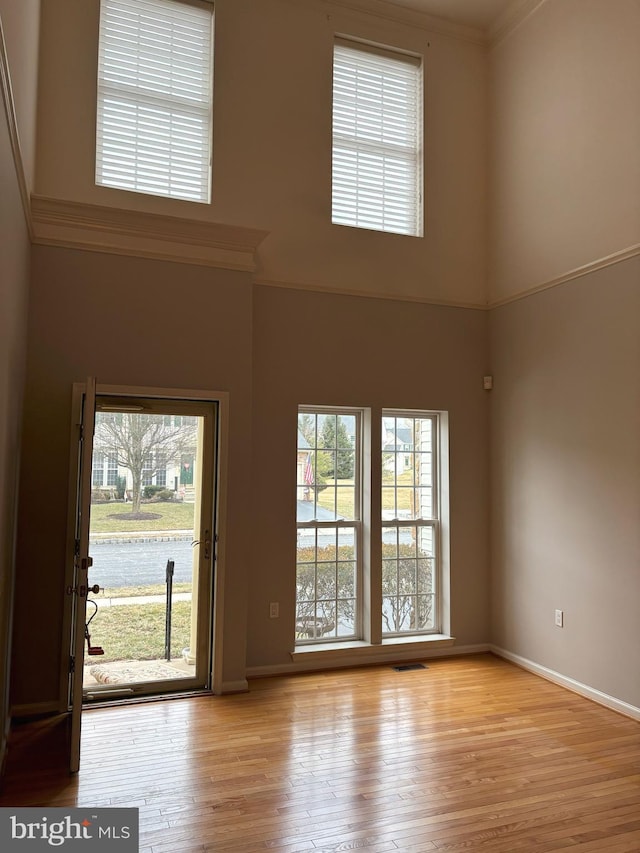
345	499
136	632
172	516
129	591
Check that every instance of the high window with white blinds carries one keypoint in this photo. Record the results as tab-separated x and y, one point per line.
377	138
155	74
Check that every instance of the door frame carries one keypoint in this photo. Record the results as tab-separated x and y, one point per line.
221	398
77	593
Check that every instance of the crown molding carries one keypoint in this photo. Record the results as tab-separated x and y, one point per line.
391	12
578	272
95	228
92	227
14	136
316	287
508	21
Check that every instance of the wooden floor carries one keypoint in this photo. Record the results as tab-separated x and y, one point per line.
470	754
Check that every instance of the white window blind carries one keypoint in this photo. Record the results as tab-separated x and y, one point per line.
155	73
377	139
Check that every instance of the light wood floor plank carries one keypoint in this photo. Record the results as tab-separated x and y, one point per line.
470	754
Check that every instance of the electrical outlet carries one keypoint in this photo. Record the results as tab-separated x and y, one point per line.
559	618
274	610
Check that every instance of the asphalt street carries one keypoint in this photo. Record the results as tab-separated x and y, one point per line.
121	564
118	564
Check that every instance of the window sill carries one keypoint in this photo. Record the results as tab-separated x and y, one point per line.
357	651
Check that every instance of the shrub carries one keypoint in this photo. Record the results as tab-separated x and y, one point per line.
151	491
165	495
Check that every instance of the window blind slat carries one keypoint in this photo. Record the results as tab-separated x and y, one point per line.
153	131
377	138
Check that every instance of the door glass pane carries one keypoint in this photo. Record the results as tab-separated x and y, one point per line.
144	535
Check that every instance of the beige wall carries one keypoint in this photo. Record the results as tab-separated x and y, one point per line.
565	99
14	281
21	25
322	349
100	314
565	407
272	145
126	321
564	172
566	479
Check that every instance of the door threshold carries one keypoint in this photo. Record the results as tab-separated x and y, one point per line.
138	699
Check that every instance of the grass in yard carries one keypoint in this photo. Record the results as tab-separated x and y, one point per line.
136	631
130	591
176	515
326	497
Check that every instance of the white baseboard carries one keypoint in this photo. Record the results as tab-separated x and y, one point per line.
386	655
570	684
35	709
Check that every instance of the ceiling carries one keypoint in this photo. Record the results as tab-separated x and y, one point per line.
472	13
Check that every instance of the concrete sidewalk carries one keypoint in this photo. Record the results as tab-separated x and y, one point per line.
141	536
140	599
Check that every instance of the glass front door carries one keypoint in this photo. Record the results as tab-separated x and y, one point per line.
151	541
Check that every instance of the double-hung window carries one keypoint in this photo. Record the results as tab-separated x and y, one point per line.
340	593
409	523
377	138
154	105
104	469
97	470
112	469
328	562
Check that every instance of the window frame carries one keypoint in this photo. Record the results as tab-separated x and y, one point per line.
356	524
433	522
370	534
350	192
112	469
176	110
97	469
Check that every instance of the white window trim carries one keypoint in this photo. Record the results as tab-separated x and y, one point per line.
356	524
433	522
375	647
